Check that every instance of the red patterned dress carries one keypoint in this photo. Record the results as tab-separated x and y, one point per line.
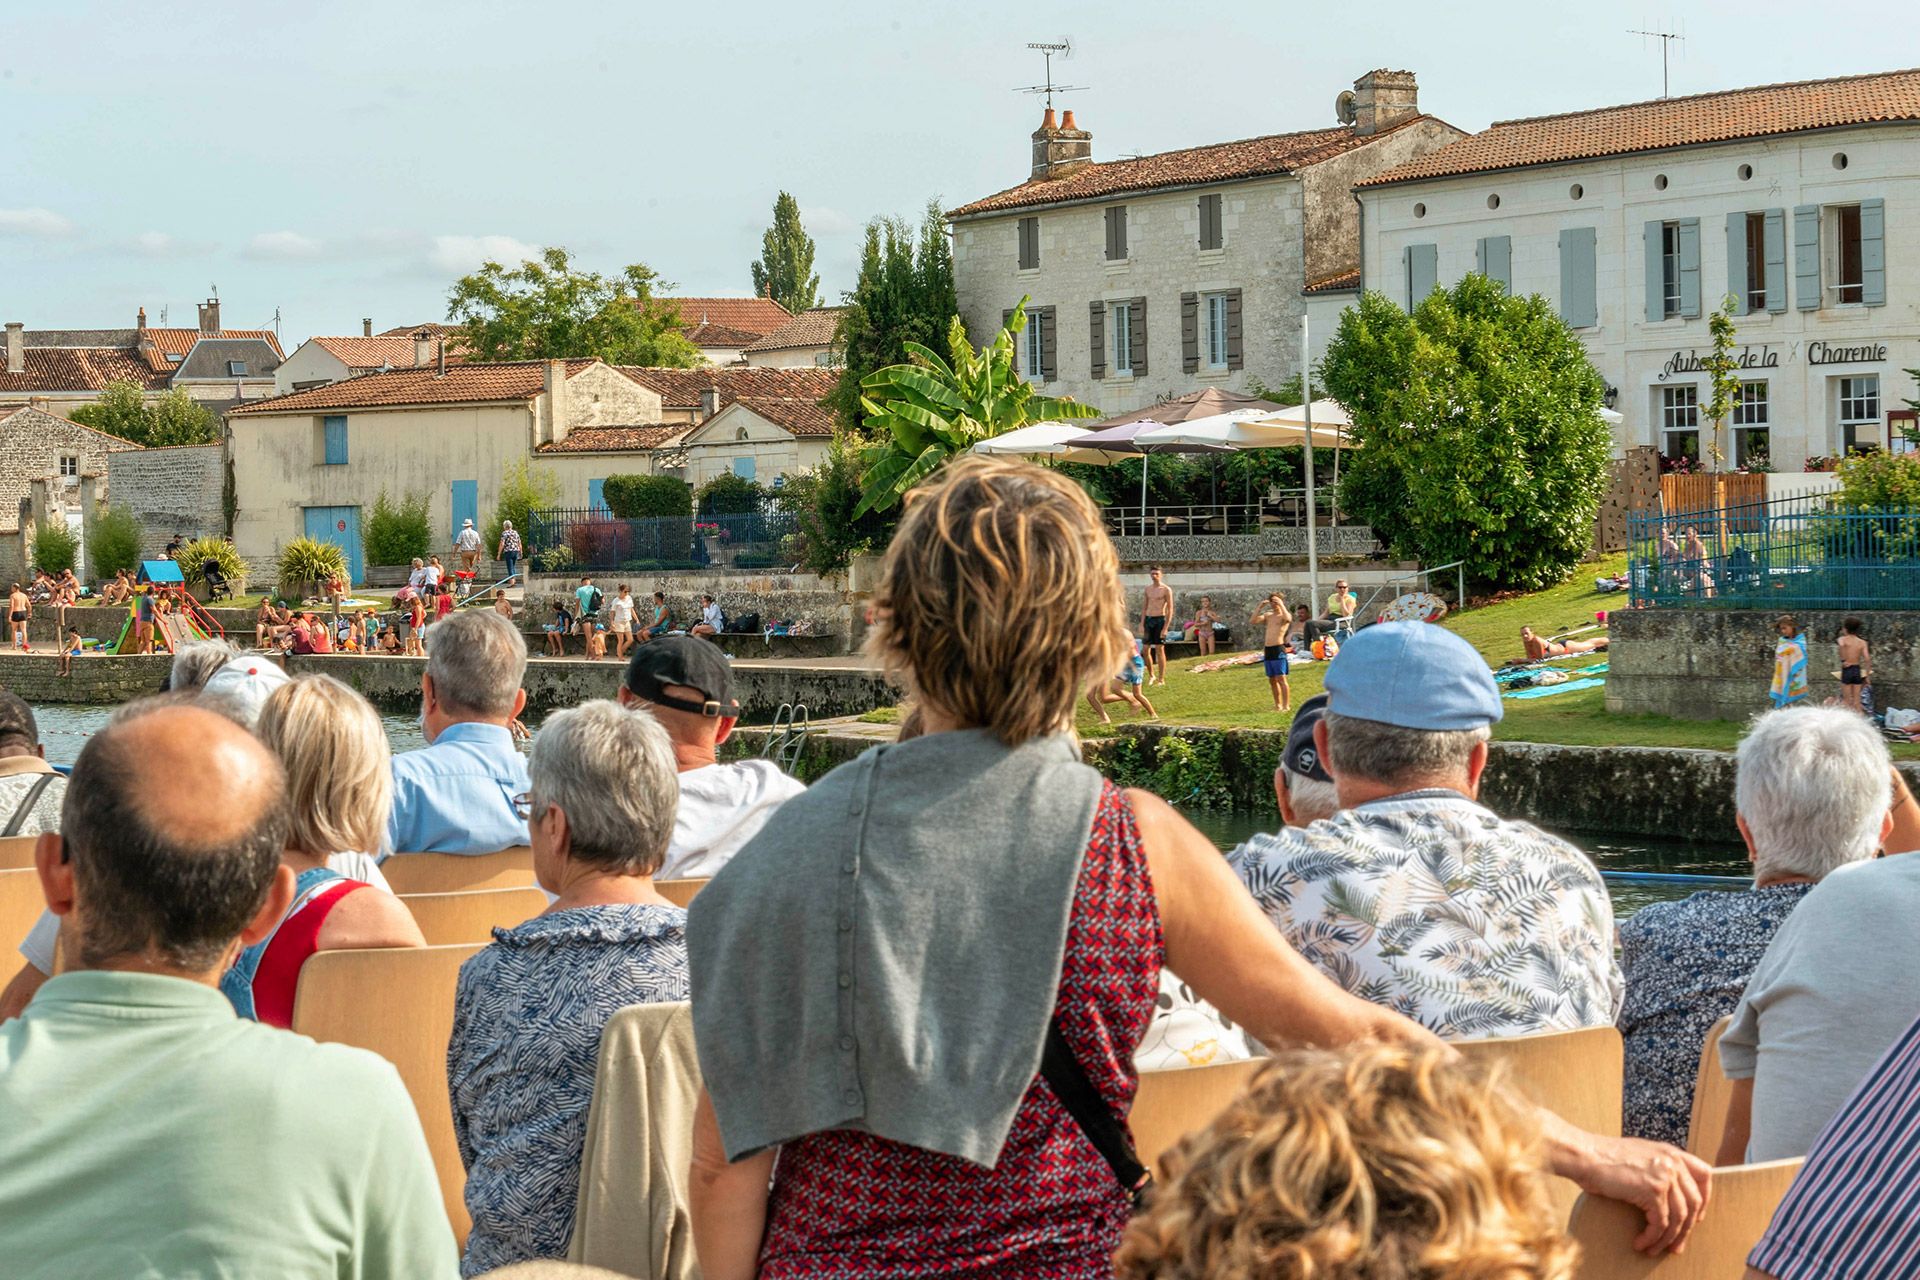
848	1204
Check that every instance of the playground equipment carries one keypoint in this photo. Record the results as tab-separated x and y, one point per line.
184	618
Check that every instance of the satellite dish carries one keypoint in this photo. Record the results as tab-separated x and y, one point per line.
1343	107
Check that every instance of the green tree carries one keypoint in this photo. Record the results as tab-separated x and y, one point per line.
1477	431
1911	433
904	294
54	547
396	532
784	271
120	411
731	495
548	309
523	491
647	497
932	409
113	542
176	418
825	505
1723	378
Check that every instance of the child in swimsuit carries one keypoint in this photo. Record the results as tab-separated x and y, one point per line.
1856	664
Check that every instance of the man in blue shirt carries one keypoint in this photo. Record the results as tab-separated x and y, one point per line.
456	794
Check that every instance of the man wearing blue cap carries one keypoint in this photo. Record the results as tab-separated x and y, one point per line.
1414	894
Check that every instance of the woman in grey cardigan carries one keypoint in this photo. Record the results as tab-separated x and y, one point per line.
875	975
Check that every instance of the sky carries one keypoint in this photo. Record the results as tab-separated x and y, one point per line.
351	159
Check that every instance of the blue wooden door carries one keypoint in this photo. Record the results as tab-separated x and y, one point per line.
596	497
340	526
466	506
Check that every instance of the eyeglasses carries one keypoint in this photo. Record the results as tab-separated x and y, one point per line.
524	806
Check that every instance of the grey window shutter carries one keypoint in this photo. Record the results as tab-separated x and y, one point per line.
1189	332
1690	267
1737	261
1423	272
1018	338
1235	358
1049	348
1873	252
1108	219
1210	222
1493	258
1120	222
1116	233
1776	251
1029	243
1806	257
1137	335
1656	275
1097	333
1579	305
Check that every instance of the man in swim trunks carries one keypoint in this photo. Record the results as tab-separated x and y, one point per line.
1856	665
1538	649
1274	616
19	608
1154	614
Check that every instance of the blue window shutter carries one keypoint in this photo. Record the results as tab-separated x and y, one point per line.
1500	260
1690	267
1806	257
334	428
1656	277
1873	252
1579	305
596	499
743	467
1737	261
1423	272
1776	250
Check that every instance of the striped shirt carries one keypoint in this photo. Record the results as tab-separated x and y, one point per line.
1854	1210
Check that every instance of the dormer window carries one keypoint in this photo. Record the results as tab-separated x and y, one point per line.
236	368
174	357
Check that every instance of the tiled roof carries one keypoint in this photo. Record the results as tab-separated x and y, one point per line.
757	316
718	335
369	353
799	416
79	369
460	384
1220	162
681	388
1340	283
433	327
813	327
617	439
1696	120
178	342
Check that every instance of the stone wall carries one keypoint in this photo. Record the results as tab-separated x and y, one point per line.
96	679
1716	664
821	602
171	490
1337	540
32	445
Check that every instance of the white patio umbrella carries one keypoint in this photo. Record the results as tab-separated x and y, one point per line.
1040	438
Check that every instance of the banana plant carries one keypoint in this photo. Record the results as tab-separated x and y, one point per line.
933	409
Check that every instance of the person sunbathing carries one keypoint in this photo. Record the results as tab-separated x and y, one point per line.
1538	649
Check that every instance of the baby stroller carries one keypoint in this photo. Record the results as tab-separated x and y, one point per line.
218	588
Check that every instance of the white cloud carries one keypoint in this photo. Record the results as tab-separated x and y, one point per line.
464	253
823	221
282	244
33	222
155	243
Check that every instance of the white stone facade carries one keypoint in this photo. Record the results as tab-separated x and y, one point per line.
1827	377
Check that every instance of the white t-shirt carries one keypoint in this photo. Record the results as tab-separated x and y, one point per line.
417	578
622	611
711	616
433	572
39	944
722	806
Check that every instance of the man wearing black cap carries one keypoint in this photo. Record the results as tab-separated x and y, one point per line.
1302	784
688	686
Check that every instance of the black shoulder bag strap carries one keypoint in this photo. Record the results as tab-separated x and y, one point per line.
1061	1070
19	818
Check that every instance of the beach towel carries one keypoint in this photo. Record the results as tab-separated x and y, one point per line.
1789	671
1549	690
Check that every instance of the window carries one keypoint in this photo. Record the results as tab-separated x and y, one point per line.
1216	330
69	465
1120	325
1859	407
1749	423
1117	233
1680	422
1756	262
1669	269
333	433
236	368
1848	277
743	467
1029	243
1210	234
1034	340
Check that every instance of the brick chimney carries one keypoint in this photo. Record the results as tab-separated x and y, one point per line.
1060	149
422	348
554	402
1382	99
16	346
210	316
366	327
141	323
709	403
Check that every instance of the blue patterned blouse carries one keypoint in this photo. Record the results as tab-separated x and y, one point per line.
526	1034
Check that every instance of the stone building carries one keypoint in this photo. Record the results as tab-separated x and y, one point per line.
1800	201
37	447
804	342
320	360
62	369
1154	276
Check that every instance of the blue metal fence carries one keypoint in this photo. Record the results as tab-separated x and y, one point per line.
1798	553
563	539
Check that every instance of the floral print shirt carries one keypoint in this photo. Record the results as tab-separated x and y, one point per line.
1687	963
1436	907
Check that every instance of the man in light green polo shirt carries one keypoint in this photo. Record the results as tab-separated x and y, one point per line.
145	1130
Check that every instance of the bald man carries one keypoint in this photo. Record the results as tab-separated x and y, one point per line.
143	1125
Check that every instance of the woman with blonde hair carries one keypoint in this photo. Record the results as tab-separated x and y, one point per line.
1383	1162
340	789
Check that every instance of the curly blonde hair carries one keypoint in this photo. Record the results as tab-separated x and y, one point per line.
999	599
1383	1162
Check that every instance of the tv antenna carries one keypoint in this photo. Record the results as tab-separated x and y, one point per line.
1064	47
1666	39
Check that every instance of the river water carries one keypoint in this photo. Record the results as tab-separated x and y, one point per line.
64	730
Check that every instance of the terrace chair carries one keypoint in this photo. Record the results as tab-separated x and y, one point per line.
631	1211
472	914
680	892
17	852
21	903
397	1002
1712	1090
459	872
1744	1199
1577	1075
1172	1104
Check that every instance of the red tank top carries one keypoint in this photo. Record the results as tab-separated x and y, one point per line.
848	1204
278	976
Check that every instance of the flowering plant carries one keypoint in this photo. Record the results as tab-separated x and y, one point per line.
714	531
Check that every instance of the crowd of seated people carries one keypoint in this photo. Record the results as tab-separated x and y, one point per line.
858	938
